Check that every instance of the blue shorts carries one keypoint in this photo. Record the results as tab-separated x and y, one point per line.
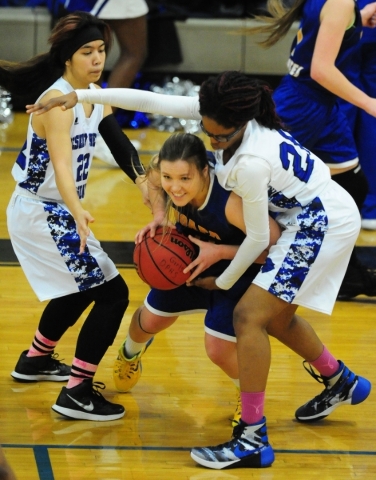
218	304
316	123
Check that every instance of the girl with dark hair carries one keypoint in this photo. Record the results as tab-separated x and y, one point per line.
48	226
306	99
270	171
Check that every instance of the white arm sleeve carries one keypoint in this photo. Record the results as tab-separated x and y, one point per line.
252	181
143	101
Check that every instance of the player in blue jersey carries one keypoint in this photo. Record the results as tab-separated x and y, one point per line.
362	72
48	226
306	99
270	171
213	217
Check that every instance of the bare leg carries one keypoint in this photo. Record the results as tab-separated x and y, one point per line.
297	334
131	34
145	324
223	354
257	313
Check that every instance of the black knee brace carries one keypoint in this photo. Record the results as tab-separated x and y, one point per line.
355	183
62	313
111	300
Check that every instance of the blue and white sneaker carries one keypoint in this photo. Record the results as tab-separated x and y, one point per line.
342	388
249	448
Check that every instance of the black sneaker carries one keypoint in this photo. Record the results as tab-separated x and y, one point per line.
41	368
249	448
359	280
84	402
342	388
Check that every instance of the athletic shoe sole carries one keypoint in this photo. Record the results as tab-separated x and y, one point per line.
79	415
257	459
19	377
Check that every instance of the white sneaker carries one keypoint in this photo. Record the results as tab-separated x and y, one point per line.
103	153
368	224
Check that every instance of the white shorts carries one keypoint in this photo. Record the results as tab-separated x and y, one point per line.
44	238
119	9
307	265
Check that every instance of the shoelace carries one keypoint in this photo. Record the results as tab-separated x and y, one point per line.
54	357
96	386
317	377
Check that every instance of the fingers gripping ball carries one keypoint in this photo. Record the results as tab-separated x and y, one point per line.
160	260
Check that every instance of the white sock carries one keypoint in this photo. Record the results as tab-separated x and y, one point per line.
132	348
236	382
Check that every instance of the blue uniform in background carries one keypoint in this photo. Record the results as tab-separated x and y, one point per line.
309	111
362	72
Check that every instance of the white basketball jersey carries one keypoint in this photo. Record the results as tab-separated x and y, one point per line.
33	169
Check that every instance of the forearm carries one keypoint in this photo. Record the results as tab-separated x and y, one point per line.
121	147
143	101
67	189
248	253
333	80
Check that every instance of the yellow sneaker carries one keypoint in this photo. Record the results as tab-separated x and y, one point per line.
238	410
127	371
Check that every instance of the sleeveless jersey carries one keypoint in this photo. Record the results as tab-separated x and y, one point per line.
299	63
33	169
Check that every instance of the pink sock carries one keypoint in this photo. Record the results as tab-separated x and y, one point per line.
41	346
326	364
80	371
252	407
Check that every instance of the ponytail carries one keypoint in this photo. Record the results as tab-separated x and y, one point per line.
279	21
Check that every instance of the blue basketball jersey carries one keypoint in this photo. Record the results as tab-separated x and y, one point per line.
209	223
299	63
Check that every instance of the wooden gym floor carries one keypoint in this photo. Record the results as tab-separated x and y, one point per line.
182	400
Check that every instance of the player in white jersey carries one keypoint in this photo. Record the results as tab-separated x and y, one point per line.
48	226
270	170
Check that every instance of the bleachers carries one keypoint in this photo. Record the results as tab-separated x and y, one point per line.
207	45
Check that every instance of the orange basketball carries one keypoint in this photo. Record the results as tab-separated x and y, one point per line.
160	260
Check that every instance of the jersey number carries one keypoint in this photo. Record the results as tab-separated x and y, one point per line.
288	154
83	167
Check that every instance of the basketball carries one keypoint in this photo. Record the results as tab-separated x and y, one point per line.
160	260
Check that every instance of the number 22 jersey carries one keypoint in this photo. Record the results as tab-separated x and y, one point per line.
33	169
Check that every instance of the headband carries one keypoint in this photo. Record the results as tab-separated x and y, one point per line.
82	37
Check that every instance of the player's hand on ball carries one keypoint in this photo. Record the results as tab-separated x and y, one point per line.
150	227
207	282
64	101
208	255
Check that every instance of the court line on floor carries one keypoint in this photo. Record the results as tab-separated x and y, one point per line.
45	470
